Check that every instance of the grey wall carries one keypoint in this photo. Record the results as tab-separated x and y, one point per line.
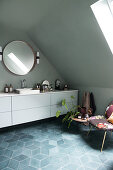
77	48
73	37
69	36
43	71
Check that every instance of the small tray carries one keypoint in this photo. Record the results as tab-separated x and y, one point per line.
80	120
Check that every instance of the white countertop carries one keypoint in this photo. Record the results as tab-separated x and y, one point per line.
2	94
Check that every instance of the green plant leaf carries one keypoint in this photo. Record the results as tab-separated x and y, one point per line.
72	97
72	110
66	106
63	102
77	113
66	117
70	123
78	106
58	113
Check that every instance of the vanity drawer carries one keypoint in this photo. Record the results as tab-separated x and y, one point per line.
29	115
57	97
5	104
30	101
5	119
55	108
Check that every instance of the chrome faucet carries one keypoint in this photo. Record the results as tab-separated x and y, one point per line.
23	83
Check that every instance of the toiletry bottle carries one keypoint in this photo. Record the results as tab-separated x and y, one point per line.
6	89
38	86
51	87
10	88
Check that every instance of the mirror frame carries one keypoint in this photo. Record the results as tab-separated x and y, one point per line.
33	54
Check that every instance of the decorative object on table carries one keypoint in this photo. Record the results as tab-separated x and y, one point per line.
45	85
6	89
46	82
86	116
79	116
72	110
82	110
50	87
57	84
65	87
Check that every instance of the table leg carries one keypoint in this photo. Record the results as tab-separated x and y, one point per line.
103	140
89	130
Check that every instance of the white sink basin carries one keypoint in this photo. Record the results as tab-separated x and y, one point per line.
27	91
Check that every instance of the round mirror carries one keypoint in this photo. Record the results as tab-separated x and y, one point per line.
18	57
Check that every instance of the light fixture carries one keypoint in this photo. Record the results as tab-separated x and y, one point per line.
37	57
0	53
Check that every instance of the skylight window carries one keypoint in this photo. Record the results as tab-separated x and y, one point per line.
103	11
111	4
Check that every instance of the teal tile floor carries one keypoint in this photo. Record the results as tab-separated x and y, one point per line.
50	145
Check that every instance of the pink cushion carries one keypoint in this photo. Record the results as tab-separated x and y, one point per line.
109	111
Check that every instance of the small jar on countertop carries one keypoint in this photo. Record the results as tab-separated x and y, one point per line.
66	87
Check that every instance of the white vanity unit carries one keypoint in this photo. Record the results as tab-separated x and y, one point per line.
5	112
18	108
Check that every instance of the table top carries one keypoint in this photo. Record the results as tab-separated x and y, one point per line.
80	120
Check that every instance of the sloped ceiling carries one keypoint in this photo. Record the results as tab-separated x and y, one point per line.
68	34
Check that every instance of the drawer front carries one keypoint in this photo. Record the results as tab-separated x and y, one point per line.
57	97
5	104
5	119
55	108
29	115
30	101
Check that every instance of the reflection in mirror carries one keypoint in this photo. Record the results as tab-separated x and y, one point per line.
18	57
19	64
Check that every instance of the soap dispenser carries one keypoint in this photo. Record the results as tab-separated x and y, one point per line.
10	88
6	89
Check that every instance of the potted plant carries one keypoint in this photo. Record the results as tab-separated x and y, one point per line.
72	111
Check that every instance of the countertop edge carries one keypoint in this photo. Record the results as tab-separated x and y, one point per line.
2	94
